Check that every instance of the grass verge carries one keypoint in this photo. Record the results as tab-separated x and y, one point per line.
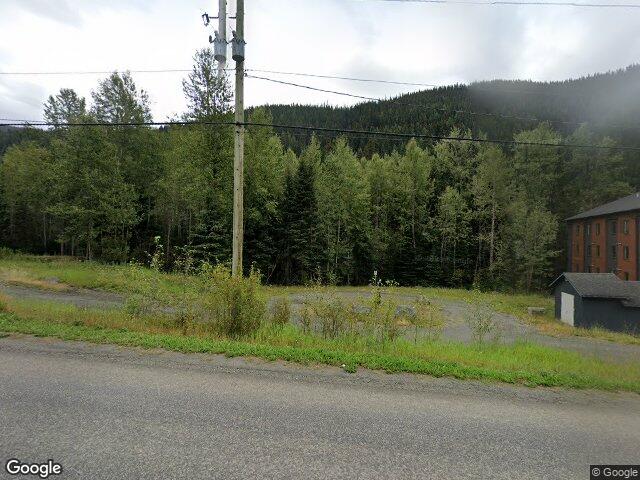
38	271
522	363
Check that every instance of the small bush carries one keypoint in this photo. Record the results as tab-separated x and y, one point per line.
138	305
332	315
281	311
428	318
482	324
234	306
329	313
306	319
385	317
114	250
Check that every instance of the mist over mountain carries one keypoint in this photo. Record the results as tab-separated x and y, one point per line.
609	103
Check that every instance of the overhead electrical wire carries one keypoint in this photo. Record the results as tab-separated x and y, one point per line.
182	70
297	74
102	72
372	133
470	86
353	79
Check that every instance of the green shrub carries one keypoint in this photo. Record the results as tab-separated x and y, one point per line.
306	319
383	317
139	305
281	311
233	306
482	324
428	317
114	250
331	313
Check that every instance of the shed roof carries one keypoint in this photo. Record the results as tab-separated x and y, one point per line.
624	204
602	285
634	299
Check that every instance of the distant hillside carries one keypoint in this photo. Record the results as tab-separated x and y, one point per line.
11	135
609	102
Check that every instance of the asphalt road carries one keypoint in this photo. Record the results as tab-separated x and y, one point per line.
109	412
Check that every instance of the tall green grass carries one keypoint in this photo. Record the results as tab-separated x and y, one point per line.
522	363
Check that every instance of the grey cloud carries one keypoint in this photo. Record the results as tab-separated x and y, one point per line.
71	12
21	100
59	11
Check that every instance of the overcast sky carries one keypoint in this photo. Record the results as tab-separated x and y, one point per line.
415	42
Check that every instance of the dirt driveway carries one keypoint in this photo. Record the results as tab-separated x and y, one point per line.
455	312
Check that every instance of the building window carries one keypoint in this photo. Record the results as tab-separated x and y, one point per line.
589	250
597	228
625	252
614	251
588	230
626	275
614	227
578	247
625	227
577	229
598	251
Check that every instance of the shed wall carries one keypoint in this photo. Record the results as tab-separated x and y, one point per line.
610	314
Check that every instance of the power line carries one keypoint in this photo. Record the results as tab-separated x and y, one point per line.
441	109
20	120
374	133
441	137
471	86
298	74
44	123
516	3
104	72
309	87
182	70
353	79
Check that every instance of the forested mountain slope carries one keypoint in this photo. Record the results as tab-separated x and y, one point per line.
608	102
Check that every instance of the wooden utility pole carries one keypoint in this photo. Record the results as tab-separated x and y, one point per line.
238	159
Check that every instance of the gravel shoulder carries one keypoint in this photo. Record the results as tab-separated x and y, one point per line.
83	298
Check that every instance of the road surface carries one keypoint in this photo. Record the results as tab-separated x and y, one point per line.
106	412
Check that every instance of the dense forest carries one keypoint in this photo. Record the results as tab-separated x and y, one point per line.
322	207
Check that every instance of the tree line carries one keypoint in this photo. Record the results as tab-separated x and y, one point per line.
451	212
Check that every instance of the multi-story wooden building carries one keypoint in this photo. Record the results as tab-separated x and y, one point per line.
605	239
